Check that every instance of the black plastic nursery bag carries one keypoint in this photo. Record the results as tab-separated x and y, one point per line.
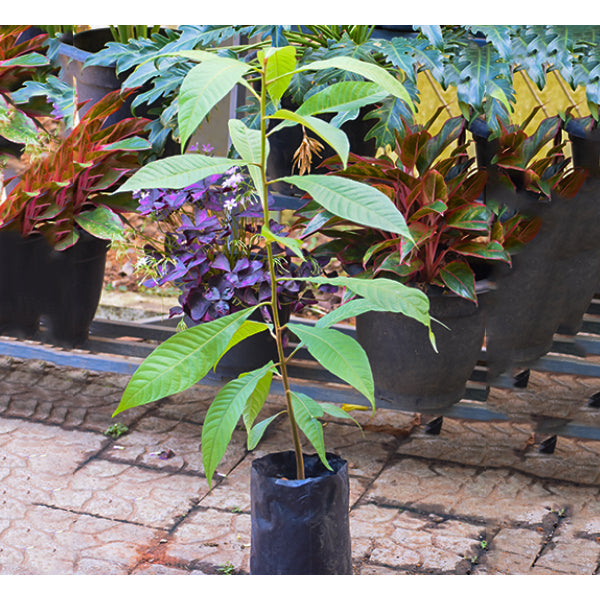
300	527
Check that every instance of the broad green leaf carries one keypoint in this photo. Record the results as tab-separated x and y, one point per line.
439	207
348	310
342	96
293	244
281	63
470	217
247	329
176	172
459	278
385	293
133	144
340	354
307	413
102	223
17	127
353	200
490	251
257	399
31	59
369	71
259	429
335	137
248	143
334	410
181	361
204	86
222	417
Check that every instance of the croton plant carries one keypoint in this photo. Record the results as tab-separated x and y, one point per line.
19	62
535	162
69	187
438	190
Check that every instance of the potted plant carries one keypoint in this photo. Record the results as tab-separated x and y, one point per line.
549	278
63	206
433	183
288	490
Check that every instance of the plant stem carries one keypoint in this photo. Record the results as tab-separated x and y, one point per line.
273	278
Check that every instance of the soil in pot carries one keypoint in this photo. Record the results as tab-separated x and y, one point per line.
300	527
408	373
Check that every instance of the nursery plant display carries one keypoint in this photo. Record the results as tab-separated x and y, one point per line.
435	185
531	174
63	206
181	361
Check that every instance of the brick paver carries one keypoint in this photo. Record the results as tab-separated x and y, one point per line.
478	498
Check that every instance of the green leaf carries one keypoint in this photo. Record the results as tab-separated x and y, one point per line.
474	217
335	137
385	293
489	251
459	278
353	200
259	429
248	143
133	144
348	310
257	399
247	329
281	63
333	410
102	223
204	86
342	96
340	354
222	417
369	71
307	412
176	172
181	361
293	244
31	59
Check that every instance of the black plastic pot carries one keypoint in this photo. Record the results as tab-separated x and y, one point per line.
74	285
554	277
300	527
21	267
408	373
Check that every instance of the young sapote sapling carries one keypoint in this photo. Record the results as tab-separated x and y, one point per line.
186	357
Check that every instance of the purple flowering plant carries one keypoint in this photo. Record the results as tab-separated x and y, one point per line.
211	249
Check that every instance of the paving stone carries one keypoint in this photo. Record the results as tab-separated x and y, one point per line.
74	501
210	536
569	553
146	497
512	551
410	541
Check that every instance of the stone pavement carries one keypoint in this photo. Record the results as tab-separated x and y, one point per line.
479	498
